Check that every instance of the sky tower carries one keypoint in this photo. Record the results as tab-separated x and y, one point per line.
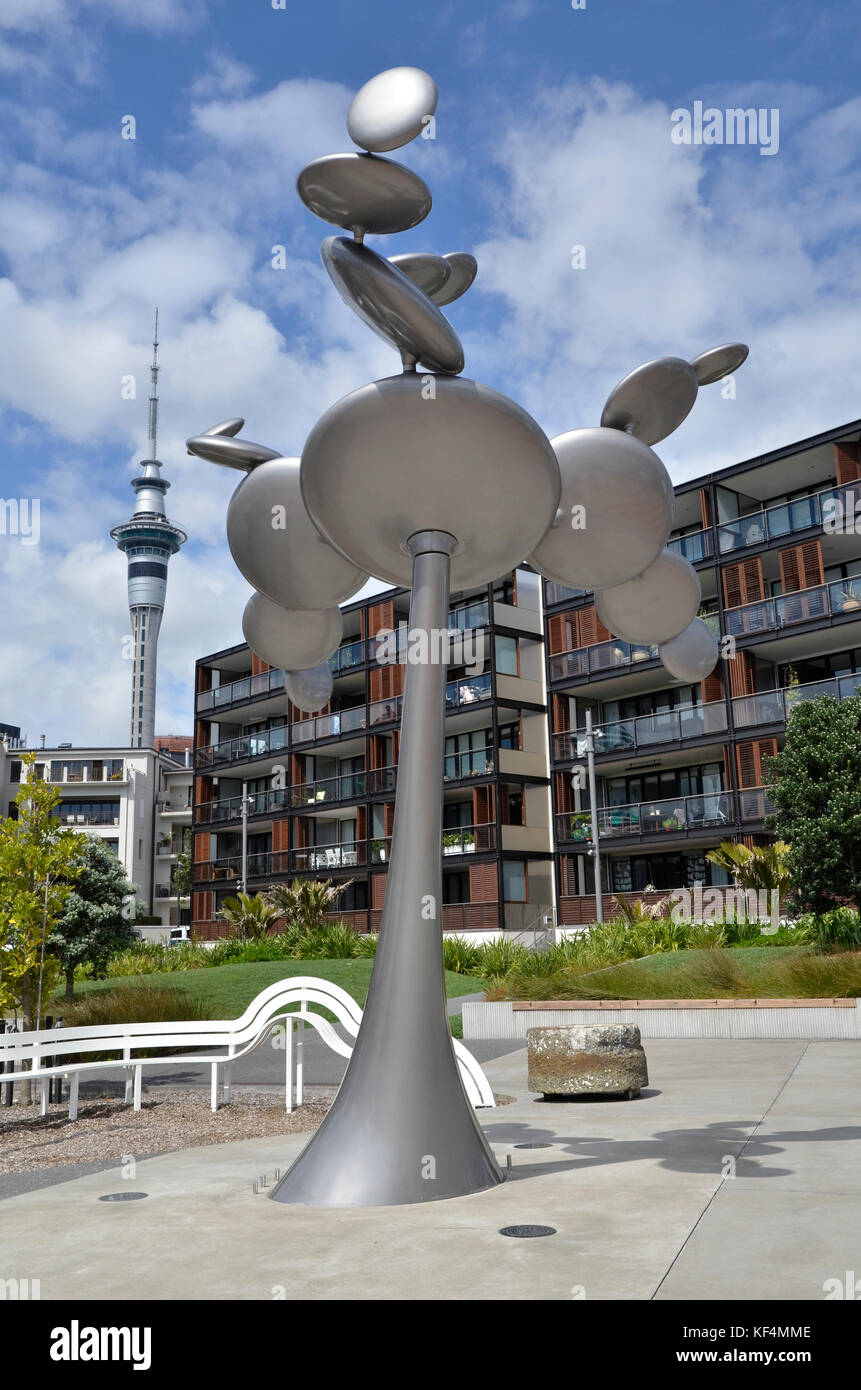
148	540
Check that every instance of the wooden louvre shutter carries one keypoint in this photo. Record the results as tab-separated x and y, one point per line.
712	688
750	758
203	909
387	682
704	508
258	665
592	630
846	462
743	583
801	567
556	634
201	848
742	680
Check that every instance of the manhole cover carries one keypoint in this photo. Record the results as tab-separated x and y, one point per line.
123	1196
535	1145
527	1232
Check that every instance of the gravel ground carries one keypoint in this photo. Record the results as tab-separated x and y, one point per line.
169	1118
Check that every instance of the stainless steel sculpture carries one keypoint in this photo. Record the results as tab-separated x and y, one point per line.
692	655
437	482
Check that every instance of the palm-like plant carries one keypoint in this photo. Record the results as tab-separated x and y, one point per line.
248	915
305	903
763	867
637	911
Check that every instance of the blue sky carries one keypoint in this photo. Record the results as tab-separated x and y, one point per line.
553	131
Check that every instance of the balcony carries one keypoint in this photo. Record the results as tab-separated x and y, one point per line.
469	691
248	687
785	519
646	731
346	657
347	787
345	721
243	748
603	656
775	706
561	593
475	762
697	545
468	839
718	811
840	597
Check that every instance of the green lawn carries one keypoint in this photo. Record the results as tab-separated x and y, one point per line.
776	972
227	990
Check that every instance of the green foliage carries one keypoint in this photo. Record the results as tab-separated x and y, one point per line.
38	864
459	955
248	915
334	941
91	927
181	875
142	1003
305	903
496	959
763	867
837	930
817	794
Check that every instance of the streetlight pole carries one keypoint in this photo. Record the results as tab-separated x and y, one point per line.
244	809
593	802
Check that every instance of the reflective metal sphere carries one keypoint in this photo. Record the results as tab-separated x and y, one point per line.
405	454
392	305
390	109
292	638
364	193
692	655
615	511
718	362
426	271
463	272
278	548
657	605
310	690
652	400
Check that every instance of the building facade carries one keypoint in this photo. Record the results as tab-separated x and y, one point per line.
679	767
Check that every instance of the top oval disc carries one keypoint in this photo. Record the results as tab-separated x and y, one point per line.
718	362
652	400
363	193
464	268
392	109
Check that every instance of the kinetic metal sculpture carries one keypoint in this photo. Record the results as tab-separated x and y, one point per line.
436	482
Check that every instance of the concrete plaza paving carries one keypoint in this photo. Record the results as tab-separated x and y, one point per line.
641	1193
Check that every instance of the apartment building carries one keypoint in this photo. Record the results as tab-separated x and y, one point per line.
320	790
137	800
679	767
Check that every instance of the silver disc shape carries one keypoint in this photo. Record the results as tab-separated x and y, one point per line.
428	272
464	268
657	605
364	193
231	453
615	511
278	548
652	400
391	109
692	655
392	459
718	362
292	639
390	303
312	689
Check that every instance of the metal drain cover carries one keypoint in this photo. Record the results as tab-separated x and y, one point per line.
527	1232
535	1145
123	1196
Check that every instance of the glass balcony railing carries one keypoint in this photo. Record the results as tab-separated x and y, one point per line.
242	748
346	855
467	691
264	683
603	656
783	519
775	706
385	711
346	657
339	722
671	816
469	615
645	731
697	545
468	839
560	593
475	762
841	596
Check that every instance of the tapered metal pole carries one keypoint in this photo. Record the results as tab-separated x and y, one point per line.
401	1128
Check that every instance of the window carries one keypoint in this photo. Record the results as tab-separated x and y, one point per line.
455	887
506	655
514	880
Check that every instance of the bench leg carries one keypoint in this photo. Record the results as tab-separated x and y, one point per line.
300	1063
213	1090
137	1087
129	1086
73	1095
45	1084
225	1087
288	1064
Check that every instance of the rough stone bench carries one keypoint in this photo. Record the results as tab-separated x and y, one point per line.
586	1059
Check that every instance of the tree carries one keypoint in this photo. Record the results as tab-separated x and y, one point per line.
37	870
765	867
92	926
181	876
249	916
817	795
305	903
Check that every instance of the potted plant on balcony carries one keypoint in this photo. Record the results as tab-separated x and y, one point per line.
580	827
452	842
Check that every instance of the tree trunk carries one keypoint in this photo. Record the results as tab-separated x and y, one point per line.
70	985
25	1088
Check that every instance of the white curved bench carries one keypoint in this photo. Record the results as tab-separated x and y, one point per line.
275	1007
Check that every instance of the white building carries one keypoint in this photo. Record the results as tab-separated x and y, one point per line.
138	800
